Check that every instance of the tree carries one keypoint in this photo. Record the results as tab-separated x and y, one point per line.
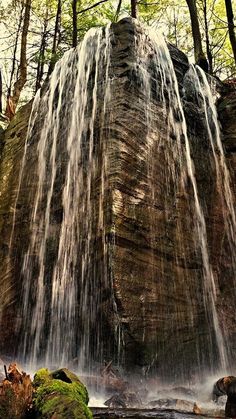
56	38
56	25
213	20
208	48
134	9
10	107
75	29
230	19
41	54
118	10
0	91
22	77
197	41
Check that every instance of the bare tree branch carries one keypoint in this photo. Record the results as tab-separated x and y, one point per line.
91	7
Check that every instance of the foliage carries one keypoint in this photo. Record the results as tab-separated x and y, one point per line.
168	16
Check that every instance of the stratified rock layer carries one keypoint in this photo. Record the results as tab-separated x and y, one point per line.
227	117
155	268
11	158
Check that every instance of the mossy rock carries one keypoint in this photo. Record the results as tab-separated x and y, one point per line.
41	377
67	376
60	394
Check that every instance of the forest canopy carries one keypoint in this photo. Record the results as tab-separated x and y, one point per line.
35	34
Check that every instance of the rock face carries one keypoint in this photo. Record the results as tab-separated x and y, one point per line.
157	319
227	117
12	150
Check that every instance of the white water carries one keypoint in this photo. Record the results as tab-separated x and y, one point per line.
69	83
61	307
222	173
183	156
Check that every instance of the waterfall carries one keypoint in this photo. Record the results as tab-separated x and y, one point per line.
179	158
222	173
55	309
67	273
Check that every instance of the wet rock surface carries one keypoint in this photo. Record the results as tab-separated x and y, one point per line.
101	413
149	230
11	156
144	400
158	277
195	405
128	399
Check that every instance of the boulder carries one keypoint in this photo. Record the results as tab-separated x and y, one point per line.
176	404
129	399
59	394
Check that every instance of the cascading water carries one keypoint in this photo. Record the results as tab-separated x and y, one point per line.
68	291
57	309
179	159
207	106
222	173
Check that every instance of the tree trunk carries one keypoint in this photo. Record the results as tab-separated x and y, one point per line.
9	112
40	67
75	29
198	51
134	9
21	80
55	38
0	91
42	50
208	49
118	10
230	19
16	392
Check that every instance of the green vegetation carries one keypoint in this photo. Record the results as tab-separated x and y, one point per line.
35	34
64	396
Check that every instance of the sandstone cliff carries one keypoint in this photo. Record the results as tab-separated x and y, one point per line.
155	267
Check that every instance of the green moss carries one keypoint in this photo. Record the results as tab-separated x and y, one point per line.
41	377
59	387
65	407
67	376
64	396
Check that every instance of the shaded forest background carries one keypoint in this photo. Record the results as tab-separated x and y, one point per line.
36	33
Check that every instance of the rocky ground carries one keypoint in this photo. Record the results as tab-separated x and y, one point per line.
63	394
147	413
